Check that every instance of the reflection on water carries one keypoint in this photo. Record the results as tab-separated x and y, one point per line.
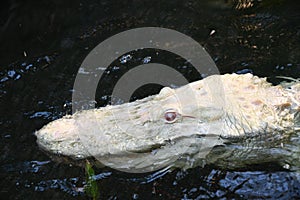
43	45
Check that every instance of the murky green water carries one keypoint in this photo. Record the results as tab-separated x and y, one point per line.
43	45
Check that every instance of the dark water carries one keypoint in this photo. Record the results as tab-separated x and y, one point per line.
43	44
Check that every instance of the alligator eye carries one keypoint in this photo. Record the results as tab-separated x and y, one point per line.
170	116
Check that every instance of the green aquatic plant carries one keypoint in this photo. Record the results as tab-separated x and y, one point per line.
91	187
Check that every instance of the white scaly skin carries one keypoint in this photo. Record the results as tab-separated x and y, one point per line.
136	137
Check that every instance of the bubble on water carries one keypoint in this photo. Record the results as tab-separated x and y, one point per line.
124	59
115	68
135	196
147	59
82	71
286	166
47	59
28	66
79	156
11	73
18	77
43	114
3	79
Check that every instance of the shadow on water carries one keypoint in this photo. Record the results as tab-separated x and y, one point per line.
44	43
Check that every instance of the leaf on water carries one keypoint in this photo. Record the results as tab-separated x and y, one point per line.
91	187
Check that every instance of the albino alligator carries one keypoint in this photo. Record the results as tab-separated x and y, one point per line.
180	126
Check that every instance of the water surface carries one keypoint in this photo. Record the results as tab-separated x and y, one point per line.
43	45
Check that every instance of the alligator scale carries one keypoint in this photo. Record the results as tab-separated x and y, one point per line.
179	127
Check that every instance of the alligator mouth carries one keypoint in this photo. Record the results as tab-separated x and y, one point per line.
148	149
152	148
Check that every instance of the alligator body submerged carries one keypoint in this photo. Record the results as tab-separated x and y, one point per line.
178	127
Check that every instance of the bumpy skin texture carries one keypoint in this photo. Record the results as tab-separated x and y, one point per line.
186	122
